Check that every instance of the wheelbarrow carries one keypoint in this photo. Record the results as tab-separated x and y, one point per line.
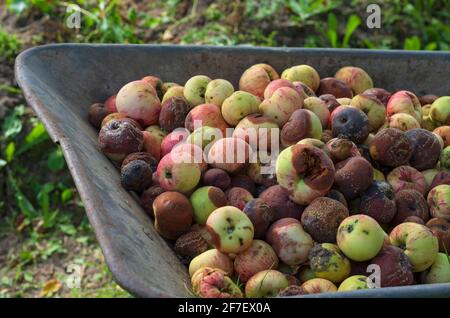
61	81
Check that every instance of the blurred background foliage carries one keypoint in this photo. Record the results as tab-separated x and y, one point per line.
43	227
419	24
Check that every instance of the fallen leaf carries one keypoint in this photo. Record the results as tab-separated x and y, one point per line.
21	222
167	36
50	287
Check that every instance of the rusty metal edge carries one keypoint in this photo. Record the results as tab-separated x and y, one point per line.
114	262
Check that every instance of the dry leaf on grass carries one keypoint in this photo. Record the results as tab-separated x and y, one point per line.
50	287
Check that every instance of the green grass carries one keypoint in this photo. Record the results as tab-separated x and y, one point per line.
9	45
418	24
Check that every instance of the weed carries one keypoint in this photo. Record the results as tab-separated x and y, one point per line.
9	45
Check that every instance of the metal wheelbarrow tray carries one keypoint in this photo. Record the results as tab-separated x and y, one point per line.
61	81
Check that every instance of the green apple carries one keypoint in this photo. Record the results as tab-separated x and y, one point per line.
354	282
175	91
217	91
429	175
204	136
378	175
444	159
303	73
205	200
355	78
231	230
239	105
327	261
195	88
320	109
305	273
360	237
439	272
266	283
440	110
211	258
418	243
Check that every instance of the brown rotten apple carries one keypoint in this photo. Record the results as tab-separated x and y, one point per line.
335	87
380	93
278	198
136	175
118	138
426	149
238	197
378	201
261	214
97	112
190	244
391	147
353	177
322	217
410	202
173	214
243	181
441	229
395	268
148	196
340	149
173	113
302	124
216	177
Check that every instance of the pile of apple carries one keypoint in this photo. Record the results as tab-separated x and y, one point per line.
359	196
